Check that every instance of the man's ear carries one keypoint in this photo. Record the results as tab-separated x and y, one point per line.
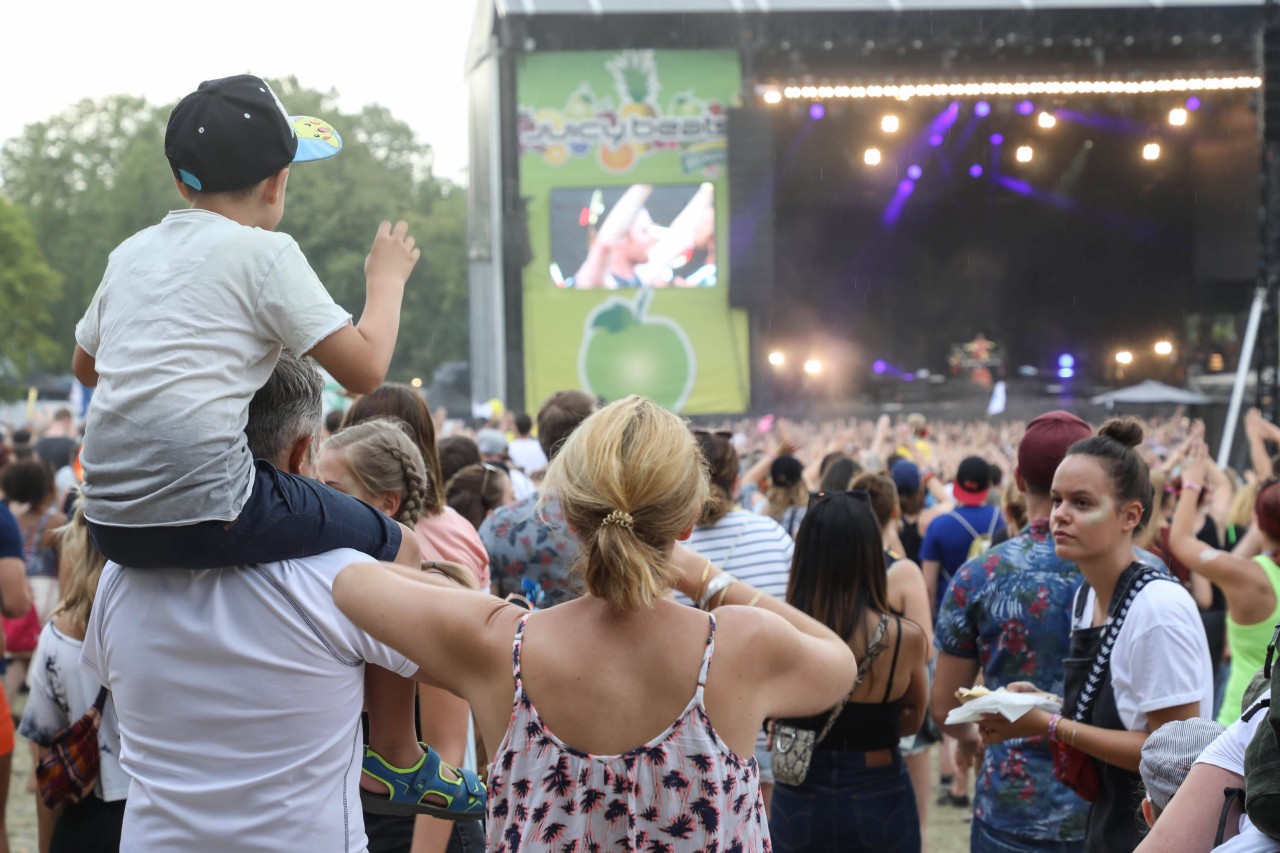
300	456
1018	481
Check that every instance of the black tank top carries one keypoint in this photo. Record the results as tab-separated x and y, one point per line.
911	540
862	726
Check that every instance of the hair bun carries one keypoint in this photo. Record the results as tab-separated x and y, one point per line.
1128	431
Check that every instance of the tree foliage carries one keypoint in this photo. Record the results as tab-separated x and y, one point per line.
94	174
28	286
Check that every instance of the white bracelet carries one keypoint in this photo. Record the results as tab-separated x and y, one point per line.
716	584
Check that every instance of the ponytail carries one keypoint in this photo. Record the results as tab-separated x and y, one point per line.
629	480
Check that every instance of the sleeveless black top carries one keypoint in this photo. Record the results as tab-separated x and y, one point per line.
862	726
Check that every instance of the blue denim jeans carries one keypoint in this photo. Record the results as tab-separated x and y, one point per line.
287	517
843	805
985	839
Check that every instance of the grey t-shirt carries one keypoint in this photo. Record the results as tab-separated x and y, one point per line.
186	326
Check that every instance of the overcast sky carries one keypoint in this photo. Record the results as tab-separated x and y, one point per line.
405	55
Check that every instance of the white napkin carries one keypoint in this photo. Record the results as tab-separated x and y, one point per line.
1011	706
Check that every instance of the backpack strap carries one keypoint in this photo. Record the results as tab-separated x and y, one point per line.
1230	795
973	534
995	518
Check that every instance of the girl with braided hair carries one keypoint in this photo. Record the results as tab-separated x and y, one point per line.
378	462
442	533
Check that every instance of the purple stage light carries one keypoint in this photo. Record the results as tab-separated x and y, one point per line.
817	111
878	367
982	109
1193	103
936	140
915	173
975	171
906	186
997	139
908	377
1026	108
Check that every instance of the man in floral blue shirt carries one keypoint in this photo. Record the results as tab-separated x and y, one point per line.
1009	611
527	545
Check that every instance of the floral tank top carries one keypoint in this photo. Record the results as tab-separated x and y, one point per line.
685	790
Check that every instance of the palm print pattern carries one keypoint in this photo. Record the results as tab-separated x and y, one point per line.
1011	610
685	790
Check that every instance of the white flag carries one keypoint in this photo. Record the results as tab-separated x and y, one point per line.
999	397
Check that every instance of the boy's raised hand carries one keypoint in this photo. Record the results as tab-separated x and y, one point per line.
393	256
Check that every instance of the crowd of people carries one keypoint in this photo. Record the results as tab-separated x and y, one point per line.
245	623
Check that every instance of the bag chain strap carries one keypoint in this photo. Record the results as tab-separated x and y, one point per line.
873	651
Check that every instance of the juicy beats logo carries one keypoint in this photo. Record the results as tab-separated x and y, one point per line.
622	127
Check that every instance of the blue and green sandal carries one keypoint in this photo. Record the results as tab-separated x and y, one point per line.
431	787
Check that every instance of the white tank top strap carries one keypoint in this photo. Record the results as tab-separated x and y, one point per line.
706	660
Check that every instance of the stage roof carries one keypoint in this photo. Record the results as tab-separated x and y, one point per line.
635	7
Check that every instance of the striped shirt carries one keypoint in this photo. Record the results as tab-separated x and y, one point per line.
753	548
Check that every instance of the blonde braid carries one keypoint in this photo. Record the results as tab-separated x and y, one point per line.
414	500
383	458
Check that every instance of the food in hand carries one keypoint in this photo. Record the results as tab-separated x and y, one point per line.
968	694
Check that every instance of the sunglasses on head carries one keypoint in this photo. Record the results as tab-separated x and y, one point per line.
863	495
489	468
720	433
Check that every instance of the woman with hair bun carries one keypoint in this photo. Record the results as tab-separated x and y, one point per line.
1138	655
633	717
1251	586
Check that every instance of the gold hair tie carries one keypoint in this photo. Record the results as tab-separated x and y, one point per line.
620	518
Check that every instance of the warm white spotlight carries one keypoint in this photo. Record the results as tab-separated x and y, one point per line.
890	124
1151	151
1024	154
813	367
415	382
777	359
1124	357
1164	348
773	96
871	156
1178	117
1047	120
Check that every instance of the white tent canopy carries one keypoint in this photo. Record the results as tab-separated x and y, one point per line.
1150	393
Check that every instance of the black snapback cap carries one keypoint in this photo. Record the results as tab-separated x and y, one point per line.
233	132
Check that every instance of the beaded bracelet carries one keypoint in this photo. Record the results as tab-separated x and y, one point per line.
1053	726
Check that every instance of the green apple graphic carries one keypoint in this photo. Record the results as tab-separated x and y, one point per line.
625	351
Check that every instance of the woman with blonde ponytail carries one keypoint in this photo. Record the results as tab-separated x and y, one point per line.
620	727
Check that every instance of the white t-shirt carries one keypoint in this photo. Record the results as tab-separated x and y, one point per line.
526	454
186	325
1161	657
1227	752
238	693
62	691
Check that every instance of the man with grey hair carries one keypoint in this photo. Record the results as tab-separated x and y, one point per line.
239	690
